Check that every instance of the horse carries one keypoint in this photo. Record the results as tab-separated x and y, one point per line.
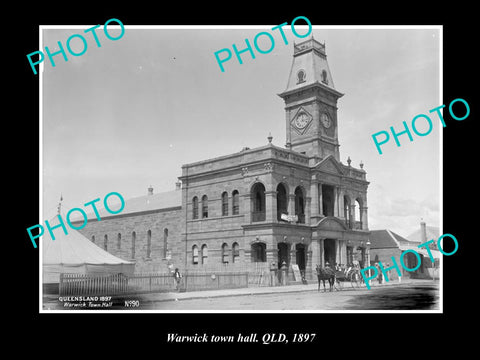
325	274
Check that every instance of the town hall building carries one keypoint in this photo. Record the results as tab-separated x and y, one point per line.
263	206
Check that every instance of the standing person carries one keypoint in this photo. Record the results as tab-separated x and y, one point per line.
380	274
177	276
283	270
388	272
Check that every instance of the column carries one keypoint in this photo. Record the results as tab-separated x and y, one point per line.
309	268
322	253
364	211
271	206
246	208
308	210
293	260
339	246
335	201
288	129
341	203
315	254
320	200
352	215
314	206
291	204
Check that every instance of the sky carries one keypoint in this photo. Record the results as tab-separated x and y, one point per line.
129	114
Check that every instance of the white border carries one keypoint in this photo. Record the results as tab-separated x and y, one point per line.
204	27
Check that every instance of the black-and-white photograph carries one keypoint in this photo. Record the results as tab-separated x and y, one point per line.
260	169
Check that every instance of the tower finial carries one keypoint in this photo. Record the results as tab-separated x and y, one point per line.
59	207
270	137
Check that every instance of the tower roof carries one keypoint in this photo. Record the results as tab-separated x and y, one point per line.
309	66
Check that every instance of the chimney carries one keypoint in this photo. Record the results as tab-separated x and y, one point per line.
423	231
150	190
178	185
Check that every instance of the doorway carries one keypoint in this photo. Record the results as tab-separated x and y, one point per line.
300	256
329	251
328	202
283	252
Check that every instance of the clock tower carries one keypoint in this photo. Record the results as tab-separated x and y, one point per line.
311	103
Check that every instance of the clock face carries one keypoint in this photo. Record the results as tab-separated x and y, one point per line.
301	121
325	119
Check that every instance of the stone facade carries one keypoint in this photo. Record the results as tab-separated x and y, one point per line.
128	237
296	204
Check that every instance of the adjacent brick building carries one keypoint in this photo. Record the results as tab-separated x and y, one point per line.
386	244
296	204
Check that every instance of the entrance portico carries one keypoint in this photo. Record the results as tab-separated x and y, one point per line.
334	243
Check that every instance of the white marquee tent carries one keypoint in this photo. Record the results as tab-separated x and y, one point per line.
74	253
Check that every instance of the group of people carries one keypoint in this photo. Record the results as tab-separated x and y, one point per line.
177	276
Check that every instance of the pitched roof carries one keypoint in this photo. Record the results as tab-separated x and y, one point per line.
380	239
383	239
164	200
158	201
310	57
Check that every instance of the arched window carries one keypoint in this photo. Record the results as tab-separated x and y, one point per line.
235	252
258	198
195	208
300	205
300	76
258	252
225	253
328	200
149	243
358	214
324	77
204	206
282	201
119	241
204	254
235	203
105	242
134	235
224	203
93	239
165	242
194	254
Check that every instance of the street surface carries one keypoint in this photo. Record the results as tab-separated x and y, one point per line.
415	295
399	297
